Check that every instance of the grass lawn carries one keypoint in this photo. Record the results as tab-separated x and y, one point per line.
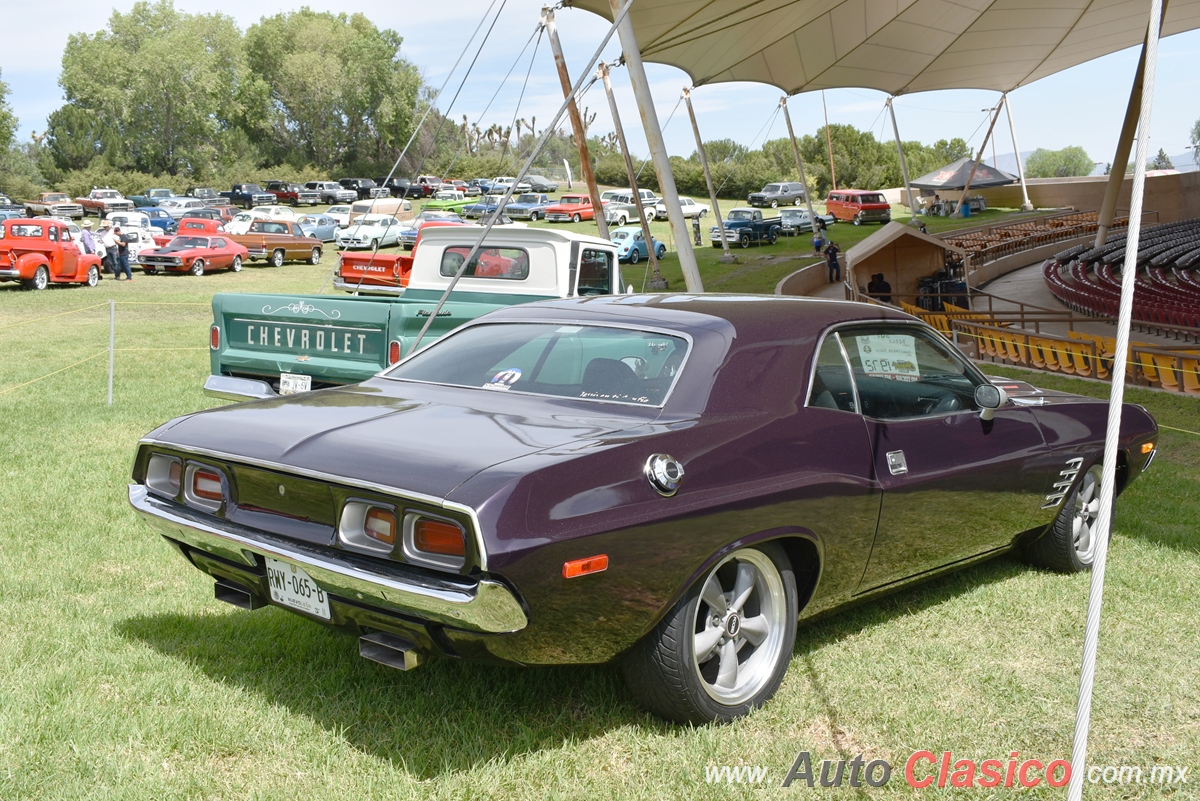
122	678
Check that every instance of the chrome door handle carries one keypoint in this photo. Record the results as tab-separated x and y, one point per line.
896	463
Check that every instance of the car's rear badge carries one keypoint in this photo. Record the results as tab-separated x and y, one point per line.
1066	479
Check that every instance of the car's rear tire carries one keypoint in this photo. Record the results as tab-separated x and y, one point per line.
634	256
277	257
662	251
315	256
576	217
197	267
700	663
236	264
93	276
40	280
1069	546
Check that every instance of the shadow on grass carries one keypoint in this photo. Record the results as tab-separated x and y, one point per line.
448	715
443	717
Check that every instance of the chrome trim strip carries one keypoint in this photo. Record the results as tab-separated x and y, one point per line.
384	489
487	606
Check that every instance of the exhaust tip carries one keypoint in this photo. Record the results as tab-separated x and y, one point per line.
237	595
387	649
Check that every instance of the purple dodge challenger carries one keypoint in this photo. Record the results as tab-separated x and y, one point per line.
672	481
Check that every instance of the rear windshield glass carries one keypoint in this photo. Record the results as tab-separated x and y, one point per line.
619	365
31	231
506	263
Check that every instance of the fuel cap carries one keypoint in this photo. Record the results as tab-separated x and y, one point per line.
664	473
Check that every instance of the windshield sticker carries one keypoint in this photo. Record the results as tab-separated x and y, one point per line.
504	379
891	356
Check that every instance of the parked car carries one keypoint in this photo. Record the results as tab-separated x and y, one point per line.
631	244
796	221
278	241
370	231
528	206
204	193
364	188
196	255
687	205
207	213
241	221
339	213
130	219
102	201
276	212
669	486
483	206
332	192
140	241
783	193
411	229
319	226
501	185
621	207
745	226
177	206
397	187
859	206
149	198
293	194
540	183
191	226
160	218
6	204
41	252
447	200
248	196
53	204
571	208
426	184
400	208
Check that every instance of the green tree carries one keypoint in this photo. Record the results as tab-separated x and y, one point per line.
168	83
1162	161
75	136
721	150
330	90
953	150
1069	161
8	120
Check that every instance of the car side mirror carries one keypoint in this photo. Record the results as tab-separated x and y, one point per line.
989	398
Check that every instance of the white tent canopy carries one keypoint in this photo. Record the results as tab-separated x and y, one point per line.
895	46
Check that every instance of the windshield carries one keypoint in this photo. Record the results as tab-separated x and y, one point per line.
528	199
571	200
772	188
107	194
871	199
741	214
56	198
189	242
621	365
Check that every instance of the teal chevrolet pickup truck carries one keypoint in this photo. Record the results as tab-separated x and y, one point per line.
267	345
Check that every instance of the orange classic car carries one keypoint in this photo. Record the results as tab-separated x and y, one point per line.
41	252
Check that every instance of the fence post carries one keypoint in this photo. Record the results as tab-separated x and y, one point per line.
112	339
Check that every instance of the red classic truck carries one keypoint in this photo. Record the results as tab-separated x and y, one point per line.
41	252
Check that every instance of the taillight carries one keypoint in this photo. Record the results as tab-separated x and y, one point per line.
438	537
380	524
214	337
206	484
393	352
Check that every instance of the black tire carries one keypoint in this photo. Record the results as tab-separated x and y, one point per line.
197	267
717	245
662	670
40	280
622	219
236	264
576	217
773	236
744	241
93	276
703	213
277	256
797	201
534	216
774	204
858	219
28	212
1064	548
634	256
150	270
315	256
662	251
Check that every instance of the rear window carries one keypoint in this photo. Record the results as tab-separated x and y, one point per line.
615	365
510	264
27	231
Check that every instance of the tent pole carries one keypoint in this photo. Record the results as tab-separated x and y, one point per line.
712	193
812	216
1116	175
829	143
1103	526
912	201
658	150
963	197
1025	205
656	281
585	161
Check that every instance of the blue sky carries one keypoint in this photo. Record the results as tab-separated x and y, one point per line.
1082	106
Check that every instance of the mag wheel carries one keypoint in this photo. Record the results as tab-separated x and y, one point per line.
724	648
1069	546
236	264
576	217
662	251
634	256
277	256
774	204
40	280
197	267
93	276
315	256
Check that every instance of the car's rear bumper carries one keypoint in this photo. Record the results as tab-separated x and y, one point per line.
236	553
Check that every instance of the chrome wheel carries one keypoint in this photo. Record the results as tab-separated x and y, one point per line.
315	256
740	627
41	278
277	258
236	264
1087	511
93	275
198	267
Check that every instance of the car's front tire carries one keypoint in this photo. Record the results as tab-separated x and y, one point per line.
315	256
576	217
197	267
1069	546
93	276
236	264
745	240
724	648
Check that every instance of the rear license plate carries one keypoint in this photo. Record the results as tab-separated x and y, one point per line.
293	588
291	383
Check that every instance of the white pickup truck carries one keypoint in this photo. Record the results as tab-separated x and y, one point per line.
264	345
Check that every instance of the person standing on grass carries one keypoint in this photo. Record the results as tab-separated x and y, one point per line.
835	269
108	241
122	255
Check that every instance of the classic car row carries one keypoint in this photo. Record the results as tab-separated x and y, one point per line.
670	482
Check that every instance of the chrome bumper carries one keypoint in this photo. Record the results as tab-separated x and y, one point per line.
10	273
237	389
474	605
367	289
